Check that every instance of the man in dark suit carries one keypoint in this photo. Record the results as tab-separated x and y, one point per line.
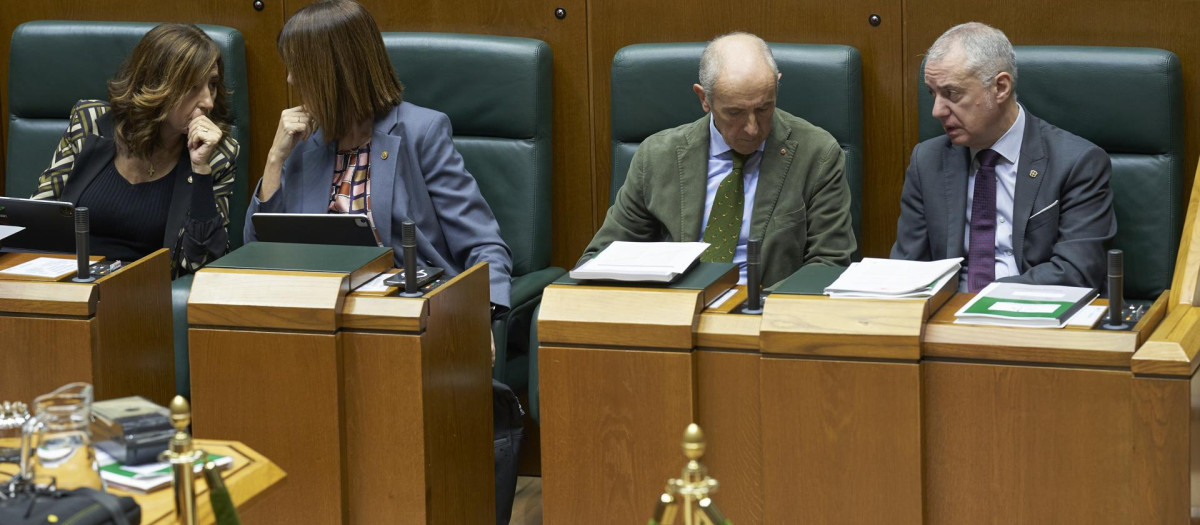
1022	200
746	170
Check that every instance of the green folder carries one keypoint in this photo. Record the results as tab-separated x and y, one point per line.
302	257
810	280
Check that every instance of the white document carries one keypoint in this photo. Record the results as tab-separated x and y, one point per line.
641	261
48	267
6	231
1024	305
1087	316
891	278
376	284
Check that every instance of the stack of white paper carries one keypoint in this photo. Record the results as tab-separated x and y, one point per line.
641	261
893	279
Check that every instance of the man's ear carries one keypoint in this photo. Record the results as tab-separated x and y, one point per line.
1004	87
703	100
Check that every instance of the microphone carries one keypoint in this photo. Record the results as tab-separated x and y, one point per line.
1116	292
753	277
84	275
408	243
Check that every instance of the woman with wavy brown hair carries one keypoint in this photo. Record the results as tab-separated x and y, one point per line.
155	164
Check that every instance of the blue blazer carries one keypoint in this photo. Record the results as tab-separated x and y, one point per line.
421	178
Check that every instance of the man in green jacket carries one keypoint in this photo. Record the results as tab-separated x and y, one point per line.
749	171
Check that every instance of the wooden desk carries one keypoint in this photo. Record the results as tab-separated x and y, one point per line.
1049	426
392	395
114	333
617	391
248	478
841	408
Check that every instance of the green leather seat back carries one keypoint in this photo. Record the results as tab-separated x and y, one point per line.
53	64
1128	101
651	91
496	91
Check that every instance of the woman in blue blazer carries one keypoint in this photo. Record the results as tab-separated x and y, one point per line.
354	146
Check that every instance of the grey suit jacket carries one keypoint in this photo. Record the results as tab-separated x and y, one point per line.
801	207
422	178
1062	209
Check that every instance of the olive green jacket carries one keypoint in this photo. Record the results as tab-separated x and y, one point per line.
801	209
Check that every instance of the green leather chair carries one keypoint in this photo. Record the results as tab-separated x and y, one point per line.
1128	101
53	64
651	89
497	93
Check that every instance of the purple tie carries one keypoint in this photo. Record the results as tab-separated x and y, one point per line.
981	258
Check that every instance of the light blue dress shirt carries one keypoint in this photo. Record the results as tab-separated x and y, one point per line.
1009	148
720	165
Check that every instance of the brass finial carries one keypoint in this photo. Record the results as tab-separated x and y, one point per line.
182	458
689	496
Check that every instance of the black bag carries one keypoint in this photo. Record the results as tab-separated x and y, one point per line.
507	430
77	507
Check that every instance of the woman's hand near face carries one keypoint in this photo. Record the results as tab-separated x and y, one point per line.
295	125
202	139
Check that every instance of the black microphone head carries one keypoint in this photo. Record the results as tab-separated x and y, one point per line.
408	233
753	251
1116	262
81	220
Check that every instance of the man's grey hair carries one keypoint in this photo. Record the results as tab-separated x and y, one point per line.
987	50
710	61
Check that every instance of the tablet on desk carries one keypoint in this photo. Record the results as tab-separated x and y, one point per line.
49	225
350	229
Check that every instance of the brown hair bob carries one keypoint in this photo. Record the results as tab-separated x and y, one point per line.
162	69
335	54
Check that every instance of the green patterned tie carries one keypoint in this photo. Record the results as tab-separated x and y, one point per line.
725	219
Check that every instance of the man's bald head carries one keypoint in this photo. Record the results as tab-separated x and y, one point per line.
738	83
736	58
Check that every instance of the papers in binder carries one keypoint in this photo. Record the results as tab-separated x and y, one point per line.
641	261
893	279
1024	305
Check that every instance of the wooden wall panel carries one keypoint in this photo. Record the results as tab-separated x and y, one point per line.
1169	24
572	212
264	70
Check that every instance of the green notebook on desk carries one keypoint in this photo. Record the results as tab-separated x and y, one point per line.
300	257
810	280
361	262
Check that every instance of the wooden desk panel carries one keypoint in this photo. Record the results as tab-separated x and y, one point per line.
40	354
612	424
841	441
245	387
1022	444
727	400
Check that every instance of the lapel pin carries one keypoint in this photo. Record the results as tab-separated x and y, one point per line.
189	179
1033	174
783	151
383	155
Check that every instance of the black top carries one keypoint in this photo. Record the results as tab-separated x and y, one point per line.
127	220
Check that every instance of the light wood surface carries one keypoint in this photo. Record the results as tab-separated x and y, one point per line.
612	424
1071	345
816	325
397	423
1187	261
727	409
637	317
267	299
278	393
134	349
1172	349
250	475
1166	431
1019	444
114	333
718	329
841	441
371	312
